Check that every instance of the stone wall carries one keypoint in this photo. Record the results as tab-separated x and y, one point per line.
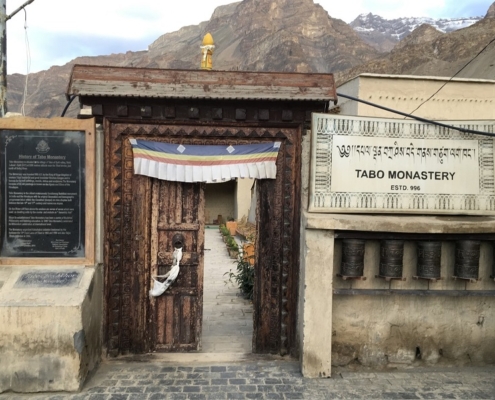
377	323
379	331
426	327
243	198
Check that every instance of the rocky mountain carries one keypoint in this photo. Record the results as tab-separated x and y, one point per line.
267	35
384	34
429	52
491	12
276	35
423	34
261	35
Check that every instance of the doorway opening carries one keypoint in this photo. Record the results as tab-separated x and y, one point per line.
141	218
227	311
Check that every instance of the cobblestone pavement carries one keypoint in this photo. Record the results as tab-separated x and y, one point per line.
272	379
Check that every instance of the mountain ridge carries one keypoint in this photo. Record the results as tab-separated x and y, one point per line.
384	33
440	55
269	35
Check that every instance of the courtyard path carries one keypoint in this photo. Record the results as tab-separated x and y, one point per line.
227	316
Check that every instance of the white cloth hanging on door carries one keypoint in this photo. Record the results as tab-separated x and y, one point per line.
160	287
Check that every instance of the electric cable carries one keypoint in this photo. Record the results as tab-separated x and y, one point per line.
68	104
425	120
457	73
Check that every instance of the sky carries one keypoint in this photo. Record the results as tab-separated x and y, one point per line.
61	30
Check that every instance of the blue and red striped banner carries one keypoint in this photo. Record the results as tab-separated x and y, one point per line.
204	163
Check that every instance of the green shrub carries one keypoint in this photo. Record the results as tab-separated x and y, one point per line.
224	230
232	244
243	277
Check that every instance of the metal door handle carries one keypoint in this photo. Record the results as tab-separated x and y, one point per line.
178	241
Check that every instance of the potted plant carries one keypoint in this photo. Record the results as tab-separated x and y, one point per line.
248	252
232	247
232	226
243	276
224	232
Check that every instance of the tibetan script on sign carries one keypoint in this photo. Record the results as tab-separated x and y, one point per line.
380	165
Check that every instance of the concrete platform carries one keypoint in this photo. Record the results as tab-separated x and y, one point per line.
50	323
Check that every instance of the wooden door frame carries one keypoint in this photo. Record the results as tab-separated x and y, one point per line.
277	274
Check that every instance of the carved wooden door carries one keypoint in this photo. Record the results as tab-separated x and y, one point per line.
137	324
177	220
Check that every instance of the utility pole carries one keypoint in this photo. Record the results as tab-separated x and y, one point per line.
3	52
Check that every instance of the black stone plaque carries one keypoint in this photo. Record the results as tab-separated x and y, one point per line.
48	279
43	193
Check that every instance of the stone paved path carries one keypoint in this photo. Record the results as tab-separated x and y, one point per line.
272	379
227	316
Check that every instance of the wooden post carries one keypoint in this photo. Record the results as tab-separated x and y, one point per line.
3	52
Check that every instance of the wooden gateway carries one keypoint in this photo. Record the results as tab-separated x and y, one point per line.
142	215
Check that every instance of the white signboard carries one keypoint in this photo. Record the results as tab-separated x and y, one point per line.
379	165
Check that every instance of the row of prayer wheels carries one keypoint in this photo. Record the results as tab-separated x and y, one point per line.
466	266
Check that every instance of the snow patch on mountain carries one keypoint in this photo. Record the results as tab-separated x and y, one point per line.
399	28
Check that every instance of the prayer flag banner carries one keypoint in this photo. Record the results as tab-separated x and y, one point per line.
204	163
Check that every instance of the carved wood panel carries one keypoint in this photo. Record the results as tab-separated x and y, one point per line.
277	258
176	316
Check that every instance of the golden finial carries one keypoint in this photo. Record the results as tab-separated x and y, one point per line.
207	51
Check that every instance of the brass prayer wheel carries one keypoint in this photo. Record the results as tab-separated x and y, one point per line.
429	257
352	258
391	258
467	259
